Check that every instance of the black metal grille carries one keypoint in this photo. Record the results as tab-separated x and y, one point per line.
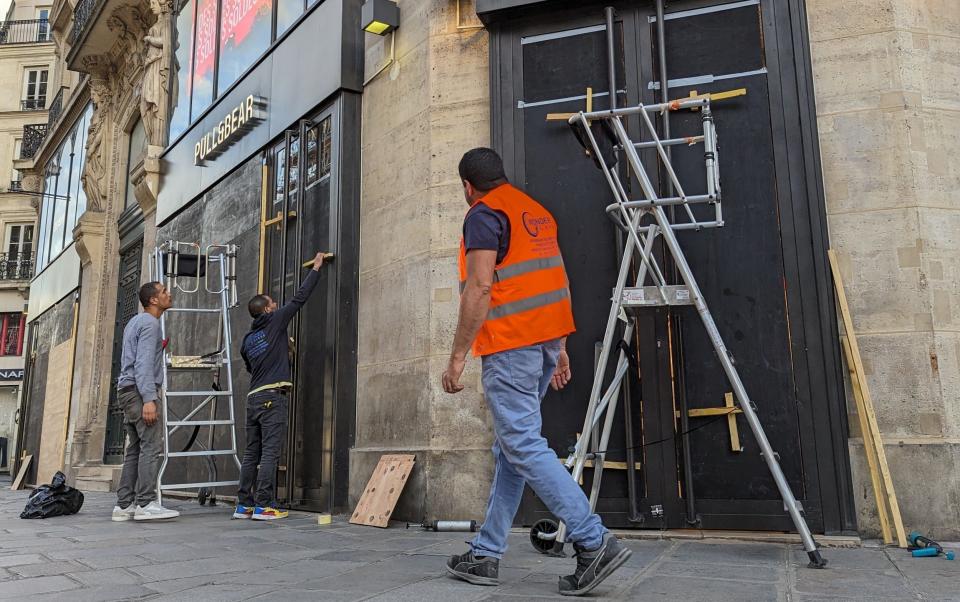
33	104
33	136
81	15
16	267
126	309
32	31
56	107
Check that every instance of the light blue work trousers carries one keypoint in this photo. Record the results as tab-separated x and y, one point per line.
514	383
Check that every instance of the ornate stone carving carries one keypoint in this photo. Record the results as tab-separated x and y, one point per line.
93	168
156	72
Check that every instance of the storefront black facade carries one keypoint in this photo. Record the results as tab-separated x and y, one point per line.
282	182
764	274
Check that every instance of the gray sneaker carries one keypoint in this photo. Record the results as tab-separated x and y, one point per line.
478	571
154	511
593	566
123	514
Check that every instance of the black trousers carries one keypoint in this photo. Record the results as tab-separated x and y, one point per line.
266	429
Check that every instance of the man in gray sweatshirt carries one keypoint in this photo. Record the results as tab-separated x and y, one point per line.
139	394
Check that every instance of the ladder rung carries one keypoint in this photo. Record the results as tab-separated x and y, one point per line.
198	485
199	393
649	296
196	367
212	452
199	422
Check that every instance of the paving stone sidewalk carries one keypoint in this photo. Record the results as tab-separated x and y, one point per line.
204	555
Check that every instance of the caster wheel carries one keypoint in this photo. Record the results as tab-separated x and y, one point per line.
202	496
545	526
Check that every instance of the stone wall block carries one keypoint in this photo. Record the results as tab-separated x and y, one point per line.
455	129
390	102
856	75
393	404
395	312
382	246
829	19
395	163
929	499
880	254
906	393
945	365
867	160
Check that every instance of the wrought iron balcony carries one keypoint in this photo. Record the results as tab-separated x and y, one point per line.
56	107
82	12
33	104
33	135
33	31
16	267
15	186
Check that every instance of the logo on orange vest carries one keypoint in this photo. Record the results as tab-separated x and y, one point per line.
533	224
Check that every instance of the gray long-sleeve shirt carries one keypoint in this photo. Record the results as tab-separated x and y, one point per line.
141	361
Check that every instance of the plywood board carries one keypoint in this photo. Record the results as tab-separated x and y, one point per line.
24	466
383	490
53	434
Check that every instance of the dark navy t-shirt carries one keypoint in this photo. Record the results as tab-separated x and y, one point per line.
487	229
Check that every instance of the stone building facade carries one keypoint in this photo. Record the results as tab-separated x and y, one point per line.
389	132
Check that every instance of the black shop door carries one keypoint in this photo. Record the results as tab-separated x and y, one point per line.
299	219
760	273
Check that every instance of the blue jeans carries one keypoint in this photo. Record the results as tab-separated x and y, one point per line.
514	383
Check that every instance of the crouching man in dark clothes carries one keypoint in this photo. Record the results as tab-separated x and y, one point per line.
265	353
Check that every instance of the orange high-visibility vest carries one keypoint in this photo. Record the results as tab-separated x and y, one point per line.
530	297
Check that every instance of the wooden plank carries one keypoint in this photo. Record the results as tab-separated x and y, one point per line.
732	422
53	430
22	474
706	412
383	490
867	399
868	445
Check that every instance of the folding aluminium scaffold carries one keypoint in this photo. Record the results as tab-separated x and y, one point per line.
174	263
605	138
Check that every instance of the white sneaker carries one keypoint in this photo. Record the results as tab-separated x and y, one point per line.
154	511
123	514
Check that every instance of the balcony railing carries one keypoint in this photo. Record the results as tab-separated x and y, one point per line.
56	107
15	186
82	13
33	135
33	104
32	31
16	267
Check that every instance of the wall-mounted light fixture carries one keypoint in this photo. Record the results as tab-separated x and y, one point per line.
379	17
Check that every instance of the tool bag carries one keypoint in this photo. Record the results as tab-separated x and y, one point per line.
55	499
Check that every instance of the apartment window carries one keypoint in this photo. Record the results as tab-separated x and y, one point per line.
43	24
34	89
11	334
19	241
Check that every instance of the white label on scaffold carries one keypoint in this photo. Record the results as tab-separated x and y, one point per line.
633	295
683	294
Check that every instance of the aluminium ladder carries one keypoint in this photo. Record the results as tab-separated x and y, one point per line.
604	136
173	264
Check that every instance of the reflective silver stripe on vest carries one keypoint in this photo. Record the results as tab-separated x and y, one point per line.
530	265
524	267
529	303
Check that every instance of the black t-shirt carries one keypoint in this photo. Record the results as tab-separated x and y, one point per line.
487	229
